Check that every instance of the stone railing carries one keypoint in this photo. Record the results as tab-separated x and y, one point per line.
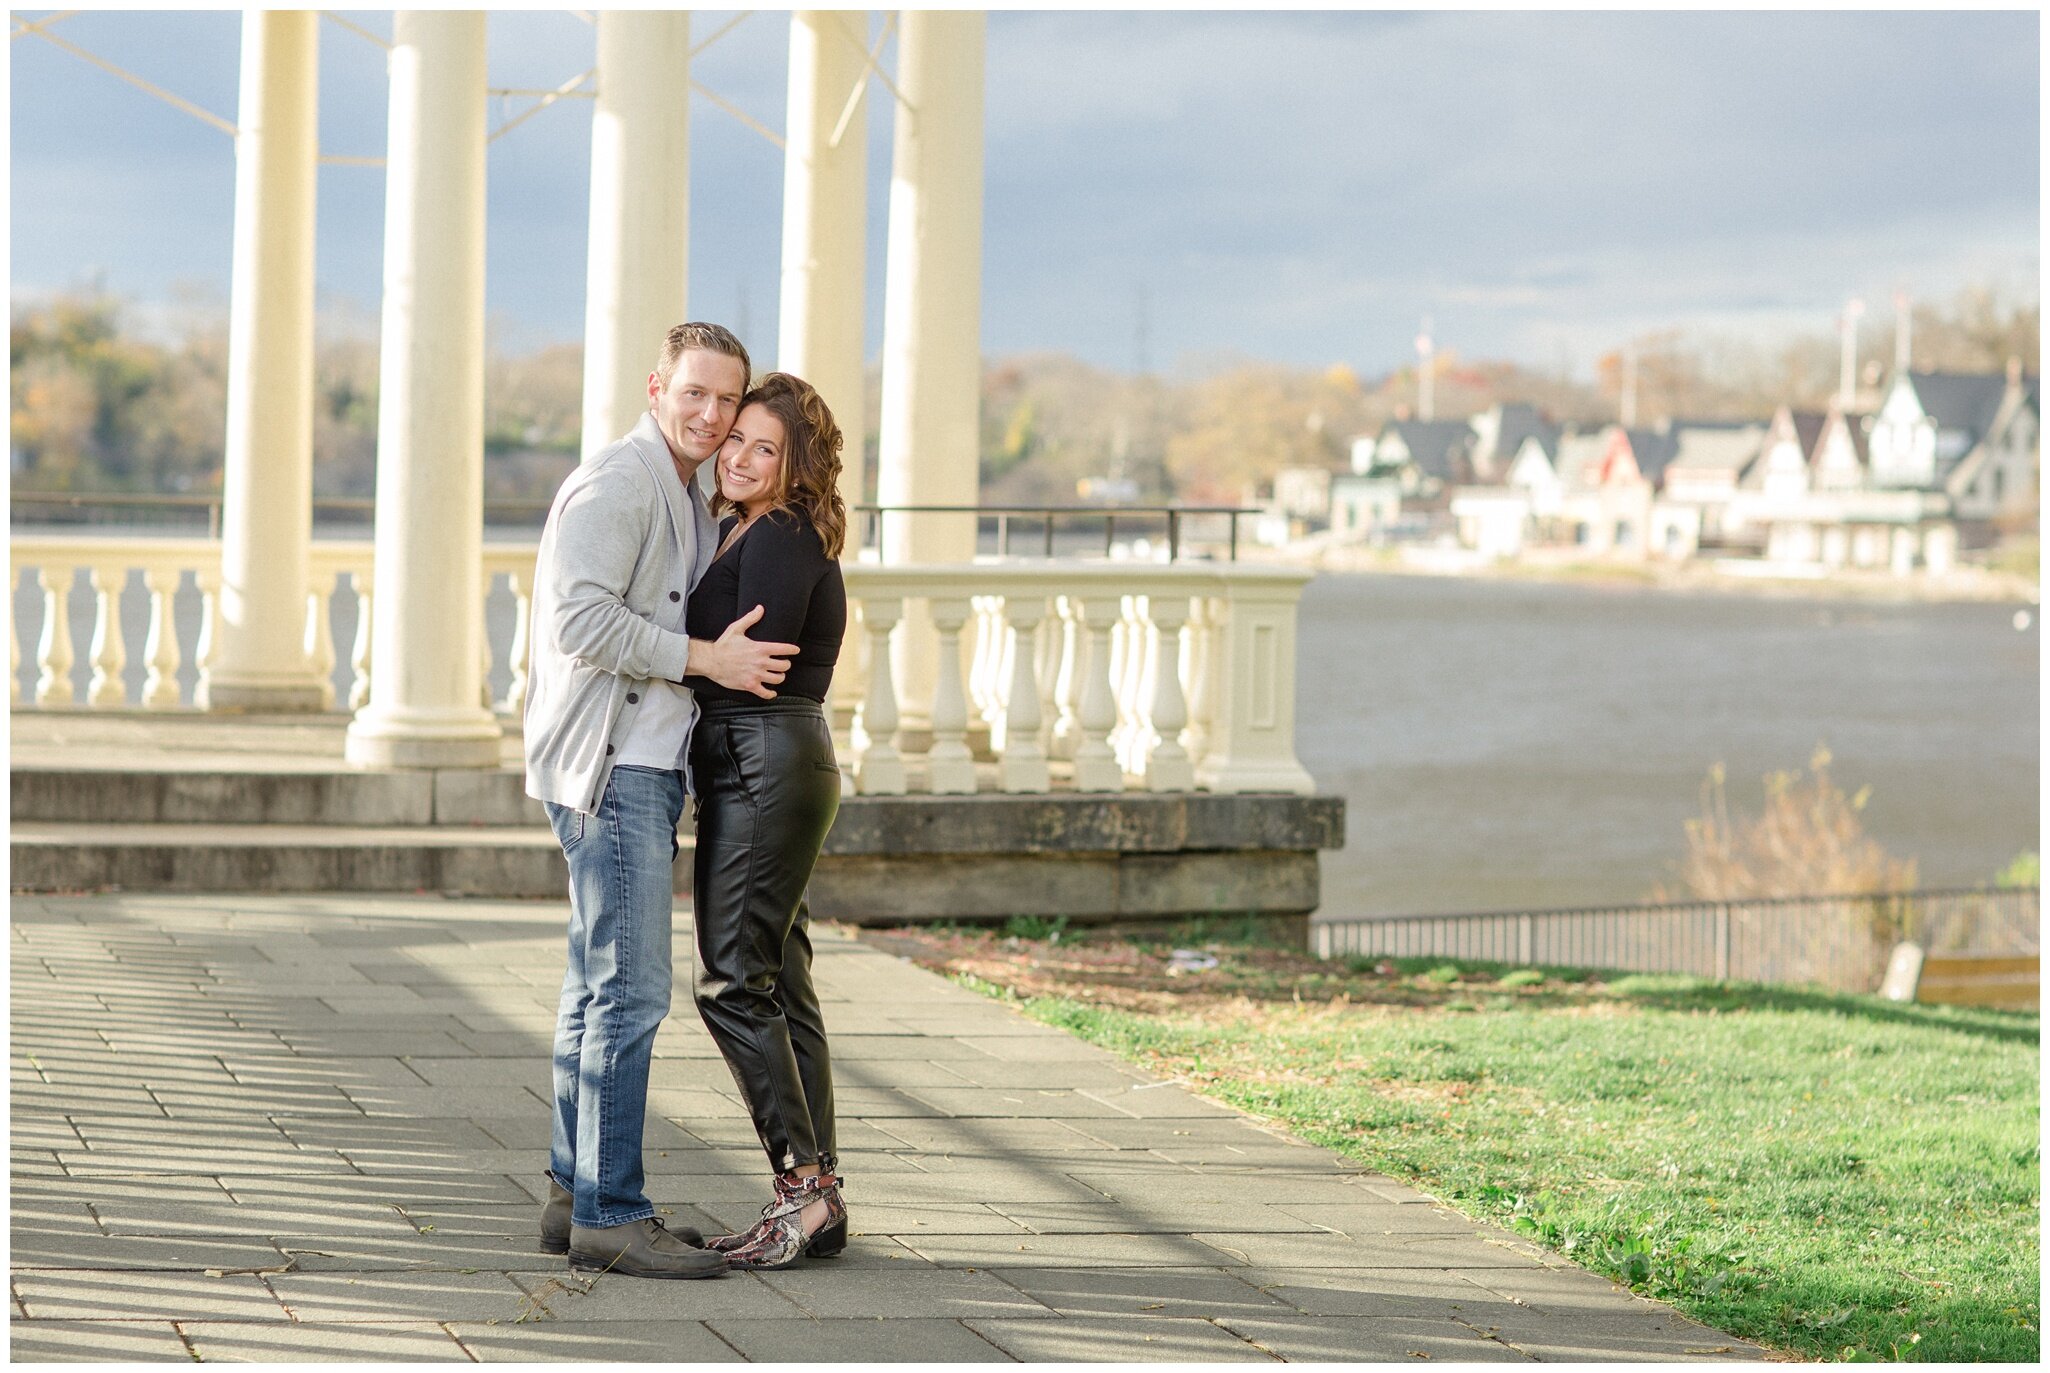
163	594
1103	675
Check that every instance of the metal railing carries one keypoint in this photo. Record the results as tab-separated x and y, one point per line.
73	507
179	510
1045	516
1839	942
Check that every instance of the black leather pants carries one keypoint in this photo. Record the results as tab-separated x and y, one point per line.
768	789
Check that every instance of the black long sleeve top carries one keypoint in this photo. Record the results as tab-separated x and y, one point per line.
779	565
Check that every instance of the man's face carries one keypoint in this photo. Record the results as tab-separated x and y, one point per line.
697	407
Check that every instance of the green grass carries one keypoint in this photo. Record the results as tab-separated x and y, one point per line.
1836	1176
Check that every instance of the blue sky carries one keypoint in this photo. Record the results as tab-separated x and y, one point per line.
1300	187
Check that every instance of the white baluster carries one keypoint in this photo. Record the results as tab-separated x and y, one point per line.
985	660
359	653
517	658
209	582
1166	762
1046	661
53	653
1021	767
950	767
1133	736
878	767
1096	767
1073	644
1120	650
320	638
110	647
160	649
1003	649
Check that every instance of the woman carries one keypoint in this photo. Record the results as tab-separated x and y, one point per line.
767	789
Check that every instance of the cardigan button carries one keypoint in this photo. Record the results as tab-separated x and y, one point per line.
633	698
676	595
608	750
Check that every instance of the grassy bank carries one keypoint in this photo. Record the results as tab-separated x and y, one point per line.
1820	1173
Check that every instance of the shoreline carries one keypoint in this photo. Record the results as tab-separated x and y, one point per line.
1962	585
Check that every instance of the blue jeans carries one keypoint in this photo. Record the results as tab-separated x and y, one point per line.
616	990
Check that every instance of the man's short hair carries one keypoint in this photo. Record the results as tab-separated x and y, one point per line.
713	338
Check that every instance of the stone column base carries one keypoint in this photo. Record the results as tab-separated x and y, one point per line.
282	695
423	739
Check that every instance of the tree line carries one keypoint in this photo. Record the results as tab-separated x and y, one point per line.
101	405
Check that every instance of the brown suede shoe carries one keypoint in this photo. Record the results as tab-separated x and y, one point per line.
640	1249
555	1217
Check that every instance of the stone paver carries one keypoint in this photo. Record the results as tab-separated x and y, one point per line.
312	1128
654	1341
307	1342
48	1341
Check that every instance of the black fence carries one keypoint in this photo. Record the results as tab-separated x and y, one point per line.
1839	942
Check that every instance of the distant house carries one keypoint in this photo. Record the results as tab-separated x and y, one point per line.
1361	505
1606	507
1500	434
1999	475
1579	453
1928	422
1653	451
1303	493
1534	470
1784	454
1708	463
1423	456
1826	510
1839	460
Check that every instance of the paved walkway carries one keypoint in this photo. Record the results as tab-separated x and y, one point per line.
293	1128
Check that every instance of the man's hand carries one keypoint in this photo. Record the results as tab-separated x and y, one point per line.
739	663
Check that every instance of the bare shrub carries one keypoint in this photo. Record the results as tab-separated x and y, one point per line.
1809	839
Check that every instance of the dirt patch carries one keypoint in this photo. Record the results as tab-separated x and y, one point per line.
1212	981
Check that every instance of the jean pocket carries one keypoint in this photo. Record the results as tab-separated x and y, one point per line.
568	825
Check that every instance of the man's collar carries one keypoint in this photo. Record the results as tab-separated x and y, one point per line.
649	431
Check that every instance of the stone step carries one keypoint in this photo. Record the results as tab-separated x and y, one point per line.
254	796
464	860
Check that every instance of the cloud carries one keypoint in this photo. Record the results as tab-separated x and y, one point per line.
1300	186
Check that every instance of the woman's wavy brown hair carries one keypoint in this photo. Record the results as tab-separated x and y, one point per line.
809	480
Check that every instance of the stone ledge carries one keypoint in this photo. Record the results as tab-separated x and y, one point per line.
1081	823
986	822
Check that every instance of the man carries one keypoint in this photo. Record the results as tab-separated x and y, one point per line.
608	727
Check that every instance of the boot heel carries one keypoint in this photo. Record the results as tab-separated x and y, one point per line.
830	1242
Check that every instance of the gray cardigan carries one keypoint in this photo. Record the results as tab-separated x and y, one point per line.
622	538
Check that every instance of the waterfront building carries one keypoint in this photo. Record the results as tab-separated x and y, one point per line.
1499	435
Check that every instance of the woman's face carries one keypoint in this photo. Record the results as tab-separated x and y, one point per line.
751	463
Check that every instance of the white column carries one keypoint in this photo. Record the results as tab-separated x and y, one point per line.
426	632
267	512
640	213
932	313
825	209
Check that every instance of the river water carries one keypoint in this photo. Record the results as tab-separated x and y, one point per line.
1514	744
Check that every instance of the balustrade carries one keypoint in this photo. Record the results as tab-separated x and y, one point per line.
1104	676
